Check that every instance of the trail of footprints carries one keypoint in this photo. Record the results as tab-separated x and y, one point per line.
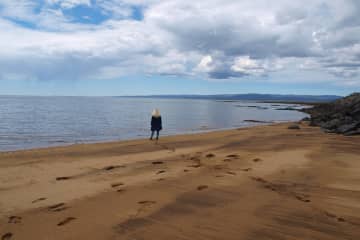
282	189
53	208
197	163
107	168
196	158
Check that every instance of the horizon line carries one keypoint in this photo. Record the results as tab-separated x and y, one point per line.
176	95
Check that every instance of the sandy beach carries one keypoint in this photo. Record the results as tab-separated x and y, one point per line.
265	182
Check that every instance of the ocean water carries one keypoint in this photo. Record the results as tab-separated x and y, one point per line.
32	122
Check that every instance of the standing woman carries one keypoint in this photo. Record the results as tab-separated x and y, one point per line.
156	124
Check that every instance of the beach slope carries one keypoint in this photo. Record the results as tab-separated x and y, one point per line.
265	182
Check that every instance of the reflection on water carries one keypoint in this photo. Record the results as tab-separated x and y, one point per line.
28	122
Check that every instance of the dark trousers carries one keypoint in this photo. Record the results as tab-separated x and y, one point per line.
157	134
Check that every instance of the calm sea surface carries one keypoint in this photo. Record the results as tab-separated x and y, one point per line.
31	122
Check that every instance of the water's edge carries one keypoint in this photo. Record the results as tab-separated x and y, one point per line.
140	138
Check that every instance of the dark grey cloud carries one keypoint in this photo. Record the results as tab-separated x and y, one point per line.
301	30
225	74
241	38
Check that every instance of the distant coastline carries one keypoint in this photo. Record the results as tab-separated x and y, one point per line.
267	98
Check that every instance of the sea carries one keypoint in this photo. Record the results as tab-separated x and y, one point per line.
36	122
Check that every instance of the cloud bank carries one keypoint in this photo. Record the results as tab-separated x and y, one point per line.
212	39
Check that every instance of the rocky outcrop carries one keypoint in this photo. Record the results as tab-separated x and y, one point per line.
341	116
294	126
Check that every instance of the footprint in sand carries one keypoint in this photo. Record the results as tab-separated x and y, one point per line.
116	185
301	198
210	155
246	169
7	236
202	187
38	200
259	179
66	221
186	170
62	178
195	165
232	156
157	162
231	173
270	187
120	190
112	167
161	171
219	167
257	160
14	219
57	207
339	219
194	158
148	202
330	214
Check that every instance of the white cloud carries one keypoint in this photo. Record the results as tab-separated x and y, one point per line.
205	64
247	65
212	39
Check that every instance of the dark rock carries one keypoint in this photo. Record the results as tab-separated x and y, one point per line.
328	131
351	133
347	128
287	109
332	124
252	106
294	126
257	121
341	116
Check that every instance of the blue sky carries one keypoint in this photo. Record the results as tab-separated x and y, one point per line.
141	47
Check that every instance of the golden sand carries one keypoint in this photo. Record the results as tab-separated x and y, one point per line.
266	182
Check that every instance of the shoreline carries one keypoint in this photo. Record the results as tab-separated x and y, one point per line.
254	122
284	182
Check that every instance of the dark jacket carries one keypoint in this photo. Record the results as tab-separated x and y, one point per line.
156	124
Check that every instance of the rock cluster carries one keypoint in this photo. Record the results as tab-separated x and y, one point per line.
294	126
341	116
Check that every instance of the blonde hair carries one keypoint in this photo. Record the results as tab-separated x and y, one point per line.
155	113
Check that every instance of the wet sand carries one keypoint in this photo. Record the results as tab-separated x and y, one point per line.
266	182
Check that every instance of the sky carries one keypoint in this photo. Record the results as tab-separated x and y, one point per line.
144	47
